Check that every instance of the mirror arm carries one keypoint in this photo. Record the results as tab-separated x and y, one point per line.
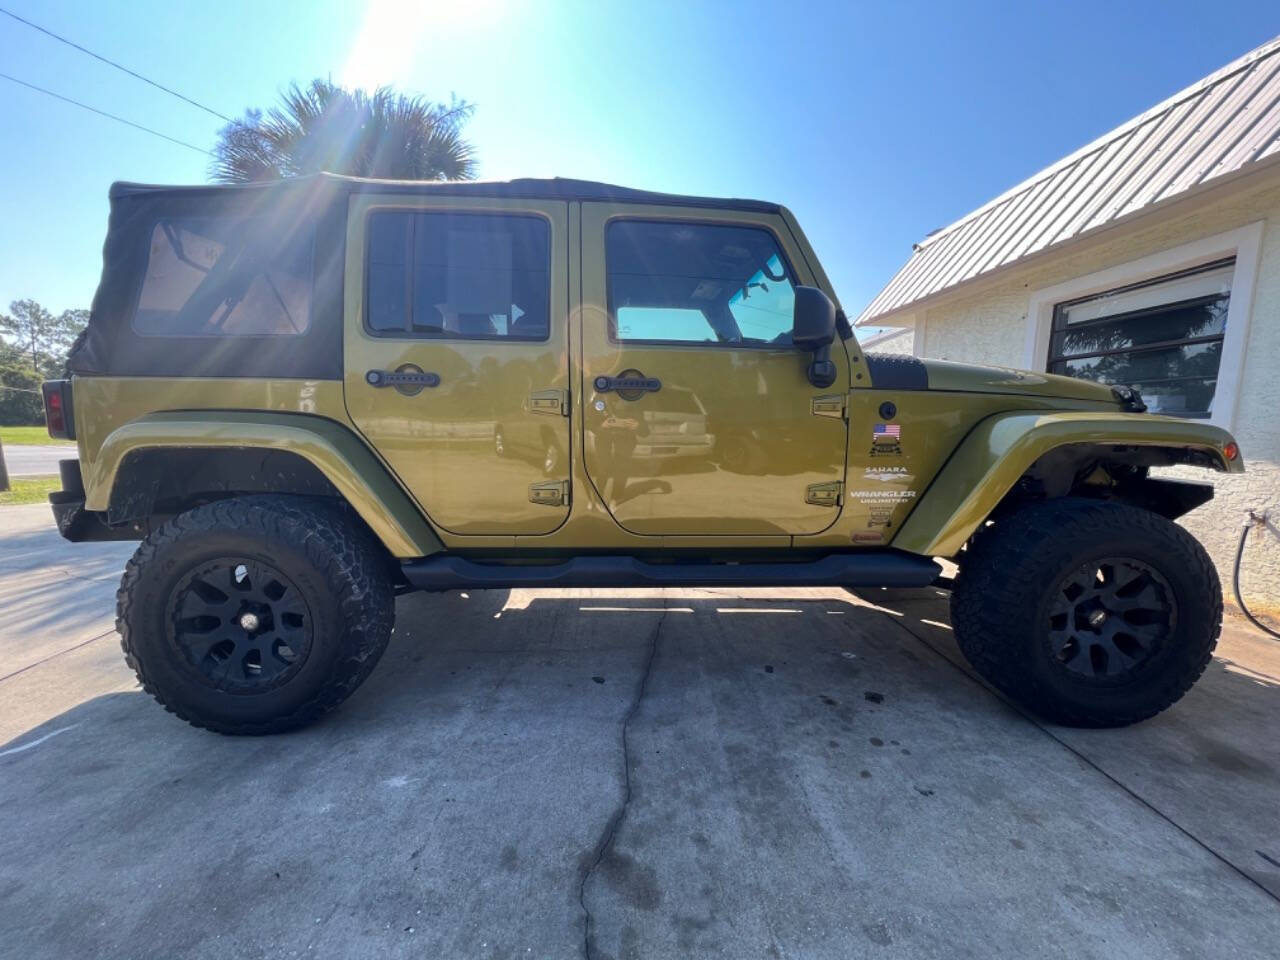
822	372
843	327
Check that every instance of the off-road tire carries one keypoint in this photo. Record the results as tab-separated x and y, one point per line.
340	570
1008	580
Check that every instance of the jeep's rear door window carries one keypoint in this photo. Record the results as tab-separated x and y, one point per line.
458	276
697	283
215	276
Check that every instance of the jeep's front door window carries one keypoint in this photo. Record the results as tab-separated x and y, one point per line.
697	283
664	323
765	306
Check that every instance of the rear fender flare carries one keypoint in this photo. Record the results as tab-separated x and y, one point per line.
344	460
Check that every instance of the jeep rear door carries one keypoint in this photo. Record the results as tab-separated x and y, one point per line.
456	366
699	417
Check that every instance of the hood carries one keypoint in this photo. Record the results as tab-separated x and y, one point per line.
970	378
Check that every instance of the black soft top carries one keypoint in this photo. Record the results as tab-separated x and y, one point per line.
284	214
533	188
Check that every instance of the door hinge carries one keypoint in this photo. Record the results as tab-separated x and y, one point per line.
834	405
554	403
549	493
824	494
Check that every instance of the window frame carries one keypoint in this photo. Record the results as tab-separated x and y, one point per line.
1243	243
611	319
1061	326
414	212
135	300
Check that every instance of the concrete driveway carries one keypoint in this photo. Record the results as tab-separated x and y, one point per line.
33	460
694	773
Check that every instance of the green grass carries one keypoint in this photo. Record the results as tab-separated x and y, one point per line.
26	436
29	490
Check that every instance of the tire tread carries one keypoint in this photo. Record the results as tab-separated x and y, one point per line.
1007	559
351	561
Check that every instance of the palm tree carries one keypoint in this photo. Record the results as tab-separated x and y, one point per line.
327	127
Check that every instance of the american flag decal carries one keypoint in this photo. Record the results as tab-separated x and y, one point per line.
886	433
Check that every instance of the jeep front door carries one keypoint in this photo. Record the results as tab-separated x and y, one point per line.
456	355
699	417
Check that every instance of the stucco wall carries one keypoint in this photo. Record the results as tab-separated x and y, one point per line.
990	326
891	341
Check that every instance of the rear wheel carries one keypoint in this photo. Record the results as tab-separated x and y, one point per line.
255	615
1088	613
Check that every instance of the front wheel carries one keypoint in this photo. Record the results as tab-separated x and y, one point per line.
1088	613
257	614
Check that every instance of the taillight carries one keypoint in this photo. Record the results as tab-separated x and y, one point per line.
57	409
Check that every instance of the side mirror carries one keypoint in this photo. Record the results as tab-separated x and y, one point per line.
813	323
813	328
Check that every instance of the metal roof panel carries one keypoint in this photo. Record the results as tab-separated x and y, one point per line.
1217	126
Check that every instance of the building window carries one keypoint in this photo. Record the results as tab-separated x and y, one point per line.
461	276
1163	337
697	283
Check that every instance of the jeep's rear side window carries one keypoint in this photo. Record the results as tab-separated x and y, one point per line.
697	283
458	276
216	276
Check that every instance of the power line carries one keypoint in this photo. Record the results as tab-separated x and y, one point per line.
110	116
112	63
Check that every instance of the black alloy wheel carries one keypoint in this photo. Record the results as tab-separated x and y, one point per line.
1109	617
240	624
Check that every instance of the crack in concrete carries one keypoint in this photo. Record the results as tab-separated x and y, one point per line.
52	656
619	814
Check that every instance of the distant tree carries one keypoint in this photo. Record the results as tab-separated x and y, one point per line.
43	337
20	401
325	127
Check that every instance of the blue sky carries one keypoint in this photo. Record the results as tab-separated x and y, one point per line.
874	123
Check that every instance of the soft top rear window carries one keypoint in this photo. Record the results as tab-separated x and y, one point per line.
226	276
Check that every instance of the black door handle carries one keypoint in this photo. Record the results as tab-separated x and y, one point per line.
409	379
629	382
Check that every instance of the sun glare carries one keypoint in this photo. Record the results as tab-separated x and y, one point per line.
396	32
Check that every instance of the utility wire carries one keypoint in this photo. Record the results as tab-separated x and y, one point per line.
112	63
110	116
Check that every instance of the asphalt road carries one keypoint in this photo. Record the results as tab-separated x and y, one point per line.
695	773
34	460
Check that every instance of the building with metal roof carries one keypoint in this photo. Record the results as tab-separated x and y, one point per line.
1150	257
1223	127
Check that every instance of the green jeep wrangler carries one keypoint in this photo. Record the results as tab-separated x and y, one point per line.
307	397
